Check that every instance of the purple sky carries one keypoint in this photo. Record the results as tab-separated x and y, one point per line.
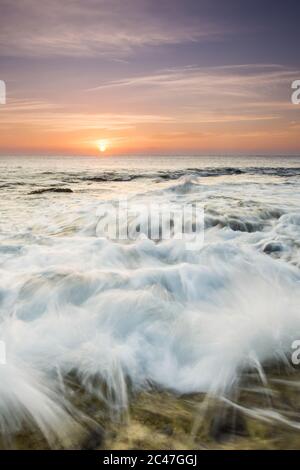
158	76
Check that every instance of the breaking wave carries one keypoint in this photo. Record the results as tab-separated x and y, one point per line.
78	307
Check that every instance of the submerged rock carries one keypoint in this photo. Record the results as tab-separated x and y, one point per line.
257	418
227	423
273	247
51	190
94	439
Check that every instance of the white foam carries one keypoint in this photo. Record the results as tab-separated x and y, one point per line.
143	312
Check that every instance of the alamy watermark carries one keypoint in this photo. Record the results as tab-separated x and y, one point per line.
127	220
296	94
295	356
2	92
2	353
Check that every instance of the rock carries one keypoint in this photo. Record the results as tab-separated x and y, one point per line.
94	439
226	423
168	430
51	190
237	226
272	247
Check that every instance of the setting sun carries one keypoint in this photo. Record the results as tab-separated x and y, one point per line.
102	145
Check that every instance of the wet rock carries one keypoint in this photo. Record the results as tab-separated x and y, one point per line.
247	226
51	190
94	439
226	424
273	247
168	430
237	226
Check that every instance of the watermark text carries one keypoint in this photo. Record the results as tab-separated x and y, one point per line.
296	93
2	92
127	220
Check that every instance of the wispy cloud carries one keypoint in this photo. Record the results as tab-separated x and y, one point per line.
239	80
92	27
28	106
249	92
201	98
50	117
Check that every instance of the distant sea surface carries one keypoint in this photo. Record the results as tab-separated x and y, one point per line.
144	312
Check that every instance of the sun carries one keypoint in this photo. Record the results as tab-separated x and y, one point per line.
102	145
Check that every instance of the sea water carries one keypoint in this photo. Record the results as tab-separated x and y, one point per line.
146	312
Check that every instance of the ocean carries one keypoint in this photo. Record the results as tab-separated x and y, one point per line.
142	314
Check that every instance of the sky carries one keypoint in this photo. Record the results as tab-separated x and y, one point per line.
149	77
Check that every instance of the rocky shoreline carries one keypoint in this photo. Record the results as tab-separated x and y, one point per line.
255	416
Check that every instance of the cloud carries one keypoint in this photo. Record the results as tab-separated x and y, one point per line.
92	28
50	117
234	80
249	92
204	103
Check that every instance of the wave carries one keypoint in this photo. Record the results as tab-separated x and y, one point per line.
201	172
49	178
86	320
140	314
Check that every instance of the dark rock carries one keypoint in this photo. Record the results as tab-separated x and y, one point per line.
51	190
237	226
272	247
226	423
94	439
168	430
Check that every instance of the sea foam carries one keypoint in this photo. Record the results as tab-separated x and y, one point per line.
143	314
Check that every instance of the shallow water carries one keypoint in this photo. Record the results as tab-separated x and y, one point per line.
150	313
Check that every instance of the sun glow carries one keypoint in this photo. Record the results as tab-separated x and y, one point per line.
102	145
